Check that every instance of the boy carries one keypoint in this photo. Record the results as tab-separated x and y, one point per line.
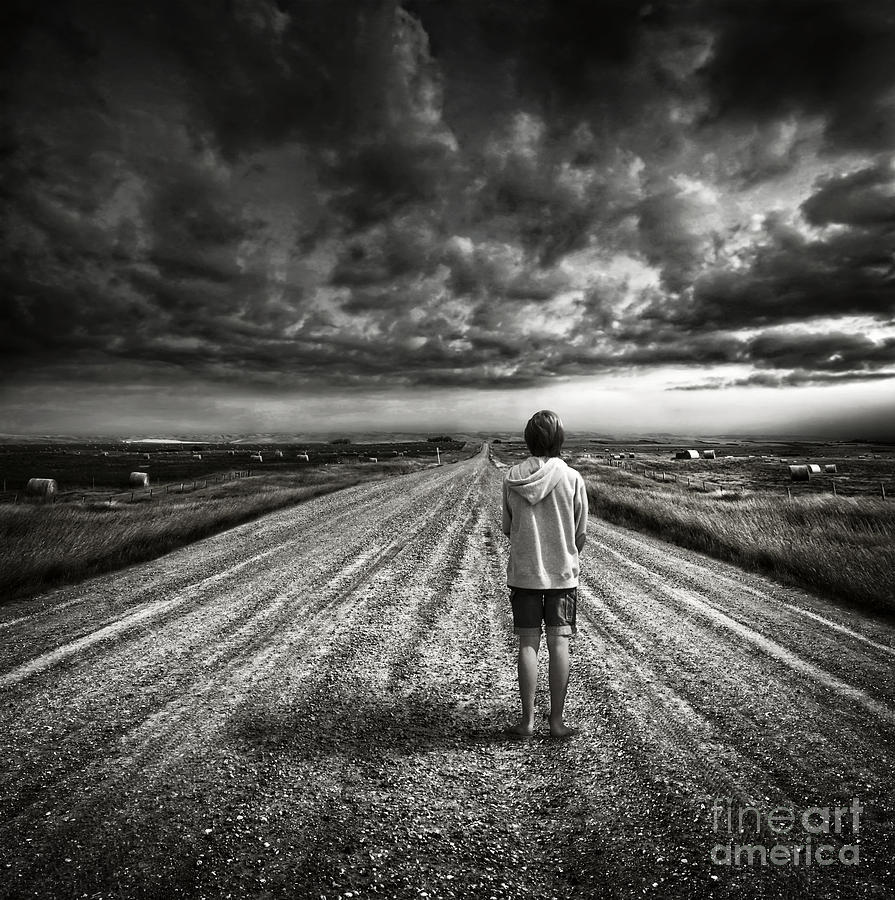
545	518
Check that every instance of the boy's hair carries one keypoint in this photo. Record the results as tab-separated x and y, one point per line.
544	434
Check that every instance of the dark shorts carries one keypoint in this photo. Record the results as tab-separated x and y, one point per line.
556	608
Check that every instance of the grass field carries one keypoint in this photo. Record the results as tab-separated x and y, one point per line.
105	467
861	469
841	547
44	545
860	472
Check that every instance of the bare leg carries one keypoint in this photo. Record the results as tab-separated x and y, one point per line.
558	645
527	666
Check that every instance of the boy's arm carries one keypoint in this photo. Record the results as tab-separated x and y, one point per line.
580	514
507	516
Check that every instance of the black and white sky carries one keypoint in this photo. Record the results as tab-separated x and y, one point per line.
317	214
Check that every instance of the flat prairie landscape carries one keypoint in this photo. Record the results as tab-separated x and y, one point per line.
312	704
861	469
99	469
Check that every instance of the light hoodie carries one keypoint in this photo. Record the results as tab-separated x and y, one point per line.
544	511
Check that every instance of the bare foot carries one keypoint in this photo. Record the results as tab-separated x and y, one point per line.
522	730
561	730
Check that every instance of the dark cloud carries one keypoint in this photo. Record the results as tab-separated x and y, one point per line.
673	349
259	72
864	198
549	218
793	278
666	238
406	247
566	59
831	351
377	180
772	59
498	270
799	378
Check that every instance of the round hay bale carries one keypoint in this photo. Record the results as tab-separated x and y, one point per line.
830	468
145	456
814	468
278	454
302	456
256	457
708	454
231	453
197	456
800	473
45	488
373	459
138	479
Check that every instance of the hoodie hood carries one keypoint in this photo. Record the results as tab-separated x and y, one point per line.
535	478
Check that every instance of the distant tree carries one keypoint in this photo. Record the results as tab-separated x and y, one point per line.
341	441
497	441
440	439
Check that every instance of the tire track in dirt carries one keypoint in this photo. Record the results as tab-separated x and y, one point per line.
708	692
669	747
173	659
127	592
790	615
264	678
741	658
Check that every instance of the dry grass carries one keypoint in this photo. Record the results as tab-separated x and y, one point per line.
44	546
842	548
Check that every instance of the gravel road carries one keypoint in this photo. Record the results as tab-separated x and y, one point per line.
311	705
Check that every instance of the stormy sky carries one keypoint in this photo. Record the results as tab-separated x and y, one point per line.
304	215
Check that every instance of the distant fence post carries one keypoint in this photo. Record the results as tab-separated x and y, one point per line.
834	487
882	490
789	493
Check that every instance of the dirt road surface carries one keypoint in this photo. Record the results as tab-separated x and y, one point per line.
311	705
